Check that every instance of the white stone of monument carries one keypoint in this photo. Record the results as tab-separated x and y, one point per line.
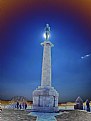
45	97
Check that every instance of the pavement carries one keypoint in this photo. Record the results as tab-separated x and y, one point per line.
16	115
74	115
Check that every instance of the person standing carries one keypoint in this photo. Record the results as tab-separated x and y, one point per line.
20	106
17	105
25	105
88	105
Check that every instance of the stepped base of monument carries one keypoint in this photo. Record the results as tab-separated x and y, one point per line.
45	109
45	99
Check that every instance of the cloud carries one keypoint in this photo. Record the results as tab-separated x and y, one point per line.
86	56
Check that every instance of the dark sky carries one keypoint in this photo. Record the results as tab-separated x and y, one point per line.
22	25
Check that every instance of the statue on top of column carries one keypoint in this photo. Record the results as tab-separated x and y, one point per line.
47	32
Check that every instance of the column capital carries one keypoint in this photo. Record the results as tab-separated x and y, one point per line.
47	43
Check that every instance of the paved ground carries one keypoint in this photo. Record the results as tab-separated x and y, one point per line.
21	115
74	115
15	115
45	116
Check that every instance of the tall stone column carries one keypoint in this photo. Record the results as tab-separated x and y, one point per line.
45	97
46	64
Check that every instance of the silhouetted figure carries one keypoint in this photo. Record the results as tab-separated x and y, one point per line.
17	105
25	105
20	106
88	106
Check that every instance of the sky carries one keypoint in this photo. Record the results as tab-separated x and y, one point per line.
22	26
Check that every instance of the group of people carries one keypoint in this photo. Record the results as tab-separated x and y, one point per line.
21	105
79	104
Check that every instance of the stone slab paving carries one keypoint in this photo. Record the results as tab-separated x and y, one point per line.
75	115
16	115
21	115
45	116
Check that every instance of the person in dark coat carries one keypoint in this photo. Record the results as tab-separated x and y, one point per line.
88	105
25	105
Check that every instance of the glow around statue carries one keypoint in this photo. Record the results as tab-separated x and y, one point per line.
47	32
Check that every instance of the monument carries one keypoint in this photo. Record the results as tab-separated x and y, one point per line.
45	97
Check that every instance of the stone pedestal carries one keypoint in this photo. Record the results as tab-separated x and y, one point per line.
45	99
